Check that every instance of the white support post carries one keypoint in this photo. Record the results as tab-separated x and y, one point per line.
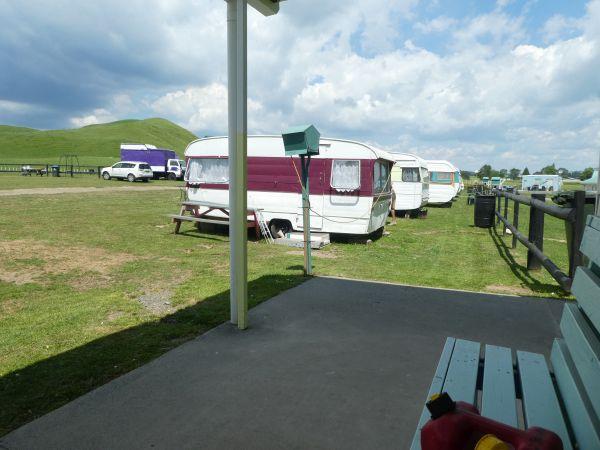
238	132
597	211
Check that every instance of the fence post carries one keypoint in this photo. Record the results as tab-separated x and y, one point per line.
515	222
99	171
498	207
575	256
71	170
47	170
536	233
505	215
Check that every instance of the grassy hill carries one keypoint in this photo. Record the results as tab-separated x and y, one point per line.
94	144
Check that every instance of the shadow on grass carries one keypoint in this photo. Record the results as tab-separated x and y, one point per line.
520	271
46	385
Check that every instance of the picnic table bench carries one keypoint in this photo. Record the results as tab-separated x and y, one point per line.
521	391
203	212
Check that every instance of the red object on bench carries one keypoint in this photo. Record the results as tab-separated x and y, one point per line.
458	426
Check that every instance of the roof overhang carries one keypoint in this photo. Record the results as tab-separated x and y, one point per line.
265	7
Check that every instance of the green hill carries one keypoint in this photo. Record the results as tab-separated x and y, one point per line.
94	144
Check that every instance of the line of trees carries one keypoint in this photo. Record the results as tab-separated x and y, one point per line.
488	171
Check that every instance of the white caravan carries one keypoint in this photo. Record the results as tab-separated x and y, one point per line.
541	182
410	181
349	183
442	185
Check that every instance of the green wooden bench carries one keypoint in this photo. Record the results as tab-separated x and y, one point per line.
519	388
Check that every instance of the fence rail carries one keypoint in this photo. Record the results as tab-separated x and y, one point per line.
573	216
43	169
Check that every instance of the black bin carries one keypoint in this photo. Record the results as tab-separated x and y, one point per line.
485	208
55	171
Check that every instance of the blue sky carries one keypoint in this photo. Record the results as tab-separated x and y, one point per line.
511	83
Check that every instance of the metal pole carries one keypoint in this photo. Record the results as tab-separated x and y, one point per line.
238	131
306	214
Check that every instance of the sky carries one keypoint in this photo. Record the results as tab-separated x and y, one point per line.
512	83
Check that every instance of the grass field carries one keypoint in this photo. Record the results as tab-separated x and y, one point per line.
94	285
94	144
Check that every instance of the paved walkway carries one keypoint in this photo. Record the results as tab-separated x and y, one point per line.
82	190
329	364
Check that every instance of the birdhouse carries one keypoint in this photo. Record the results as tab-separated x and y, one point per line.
301	140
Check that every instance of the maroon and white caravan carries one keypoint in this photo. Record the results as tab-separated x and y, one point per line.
350	188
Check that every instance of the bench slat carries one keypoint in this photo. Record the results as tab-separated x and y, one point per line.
499	396
435	388
461	379
540	404
582	418
586	288
198	219
584	349
590	243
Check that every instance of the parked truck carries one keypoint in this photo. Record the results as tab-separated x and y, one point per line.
163	162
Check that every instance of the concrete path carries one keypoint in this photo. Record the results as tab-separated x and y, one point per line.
82	190
329	364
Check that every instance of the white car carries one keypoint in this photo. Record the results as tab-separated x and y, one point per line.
128	170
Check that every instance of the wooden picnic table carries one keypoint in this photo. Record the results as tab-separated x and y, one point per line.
203	212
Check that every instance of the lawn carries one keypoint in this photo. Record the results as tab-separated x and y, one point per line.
94	285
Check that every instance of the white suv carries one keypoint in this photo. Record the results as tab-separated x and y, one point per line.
129	170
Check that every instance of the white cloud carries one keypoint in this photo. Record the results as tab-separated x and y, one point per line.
437	25
199	108
99	116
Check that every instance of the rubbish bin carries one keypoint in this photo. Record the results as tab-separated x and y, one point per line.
55	171
485	208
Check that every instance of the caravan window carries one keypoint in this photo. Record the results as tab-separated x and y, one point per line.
208	170
410	175
345	174
381	177
424	175
441	177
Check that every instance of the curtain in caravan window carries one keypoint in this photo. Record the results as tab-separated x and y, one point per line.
381	177
207	170
345	175
410	175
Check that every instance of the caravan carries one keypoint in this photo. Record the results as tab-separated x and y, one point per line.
349	187
442	185
410	181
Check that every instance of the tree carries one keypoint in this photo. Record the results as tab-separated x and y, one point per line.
586	173
485	171
526	171
503	173
549	170
564	172
465	174
514	173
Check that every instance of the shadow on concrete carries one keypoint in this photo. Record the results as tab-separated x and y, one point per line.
520	271
41	387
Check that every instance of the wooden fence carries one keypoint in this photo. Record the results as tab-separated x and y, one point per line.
574	217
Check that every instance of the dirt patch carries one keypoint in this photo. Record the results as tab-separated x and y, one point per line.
513	290
315	254
83	190
562	241
158	302
94	264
